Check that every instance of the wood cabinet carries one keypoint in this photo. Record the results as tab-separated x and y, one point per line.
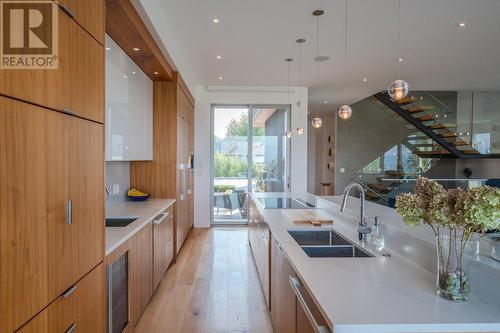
89	14
163	241
80	309
259	236
282	295
76	87
169	174
141	271
52	206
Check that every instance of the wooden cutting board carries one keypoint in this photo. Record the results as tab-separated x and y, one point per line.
312	217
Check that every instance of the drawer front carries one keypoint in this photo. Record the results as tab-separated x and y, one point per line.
76	87
80	309
89	14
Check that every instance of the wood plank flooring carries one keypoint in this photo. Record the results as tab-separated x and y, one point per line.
213	288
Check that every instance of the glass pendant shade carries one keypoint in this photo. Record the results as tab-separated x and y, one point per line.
317	122
288	134
300	130
345	112
399	89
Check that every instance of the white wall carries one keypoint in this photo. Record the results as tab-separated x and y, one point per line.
206	96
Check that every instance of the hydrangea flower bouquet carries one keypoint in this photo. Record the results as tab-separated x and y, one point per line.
453	215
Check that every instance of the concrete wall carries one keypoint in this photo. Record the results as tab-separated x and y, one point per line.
369	133
206	96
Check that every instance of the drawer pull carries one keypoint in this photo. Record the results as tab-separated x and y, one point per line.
71	329
68	11
68	292
295	283
68	212
68	111
163	218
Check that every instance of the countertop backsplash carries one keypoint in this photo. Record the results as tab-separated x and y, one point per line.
117	173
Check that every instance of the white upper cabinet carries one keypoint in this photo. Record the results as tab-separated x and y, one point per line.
129	108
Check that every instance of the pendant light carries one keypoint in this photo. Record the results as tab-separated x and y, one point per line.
345	111
288	134
399	89
317	122
300	41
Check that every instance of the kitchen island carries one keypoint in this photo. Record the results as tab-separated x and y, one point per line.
392	291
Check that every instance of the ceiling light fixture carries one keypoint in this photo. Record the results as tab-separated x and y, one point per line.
155	73
317	122
288	133
462	25
133	72
365	79
300	41
136	49
399	89
124	76
215	20
220	78
108	48
218	57
345	111
325	102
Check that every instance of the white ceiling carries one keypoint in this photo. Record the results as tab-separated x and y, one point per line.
254	37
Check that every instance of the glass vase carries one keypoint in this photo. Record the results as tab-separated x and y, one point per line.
453	275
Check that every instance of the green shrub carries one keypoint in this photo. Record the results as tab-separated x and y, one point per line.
223	188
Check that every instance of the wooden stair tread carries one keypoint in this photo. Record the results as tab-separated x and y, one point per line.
434	152
426	118
448	135
408	100
420	108
441	126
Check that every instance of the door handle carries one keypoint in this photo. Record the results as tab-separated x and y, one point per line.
68	292
68	216
295	283
71	329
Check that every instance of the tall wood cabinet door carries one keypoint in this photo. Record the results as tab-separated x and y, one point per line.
32	196
282	295
78	244
161	240
141	271
89	14
80	309
77	86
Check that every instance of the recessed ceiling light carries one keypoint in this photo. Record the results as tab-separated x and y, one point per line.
218	57
400	59
136	49
462	25
124	76
155	73
108	48
220	77
365	79
215	20
133	72
325	102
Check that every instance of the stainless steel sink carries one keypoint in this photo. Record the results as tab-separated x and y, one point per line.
119	221
318	237
327	244
335	251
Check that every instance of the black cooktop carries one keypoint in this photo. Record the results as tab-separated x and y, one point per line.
290	203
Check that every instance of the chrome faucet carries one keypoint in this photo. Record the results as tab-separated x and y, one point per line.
363	227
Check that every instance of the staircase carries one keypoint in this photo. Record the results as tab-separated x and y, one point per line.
439	135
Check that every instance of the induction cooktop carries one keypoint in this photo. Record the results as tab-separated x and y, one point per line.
285	203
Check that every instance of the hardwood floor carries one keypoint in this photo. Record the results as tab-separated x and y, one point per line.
213	287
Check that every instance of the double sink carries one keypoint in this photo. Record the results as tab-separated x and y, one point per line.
327	243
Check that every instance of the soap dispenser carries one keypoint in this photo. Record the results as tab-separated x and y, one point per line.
377	240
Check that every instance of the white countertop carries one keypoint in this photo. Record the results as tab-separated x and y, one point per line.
144	210
376	294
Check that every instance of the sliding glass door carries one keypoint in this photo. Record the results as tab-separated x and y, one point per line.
250	154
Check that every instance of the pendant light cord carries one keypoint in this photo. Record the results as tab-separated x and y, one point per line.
399	39
345	54
317	63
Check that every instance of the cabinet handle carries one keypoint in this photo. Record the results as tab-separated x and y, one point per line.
71	329
68	292
68	11
295	283
69	212
164	217
68	111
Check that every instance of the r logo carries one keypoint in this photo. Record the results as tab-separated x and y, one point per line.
29	34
